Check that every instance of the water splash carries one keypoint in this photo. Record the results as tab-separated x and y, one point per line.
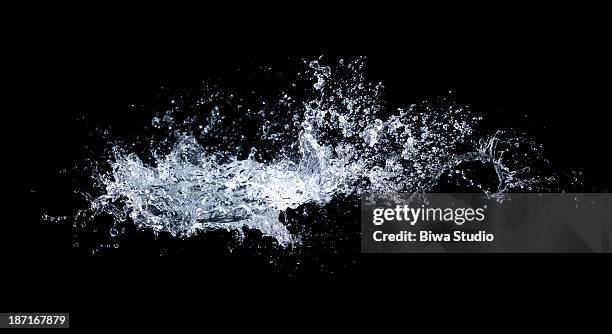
337	138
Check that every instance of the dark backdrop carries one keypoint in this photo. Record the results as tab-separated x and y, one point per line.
540	63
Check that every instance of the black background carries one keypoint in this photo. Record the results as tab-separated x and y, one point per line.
549	64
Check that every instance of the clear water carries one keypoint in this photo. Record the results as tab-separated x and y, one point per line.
338	139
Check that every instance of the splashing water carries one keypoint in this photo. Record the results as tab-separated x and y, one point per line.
341	140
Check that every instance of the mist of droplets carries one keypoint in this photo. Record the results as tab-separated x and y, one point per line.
338	138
